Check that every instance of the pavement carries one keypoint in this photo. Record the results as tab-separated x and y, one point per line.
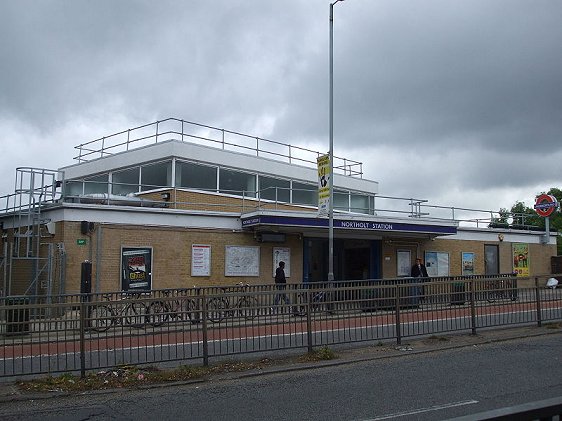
345	354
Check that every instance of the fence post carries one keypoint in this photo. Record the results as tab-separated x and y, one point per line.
472	307
309	319
538	300
398	323
203	304
83	309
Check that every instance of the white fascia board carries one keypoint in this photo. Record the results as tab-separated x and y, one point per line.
212	156
509	236
142	216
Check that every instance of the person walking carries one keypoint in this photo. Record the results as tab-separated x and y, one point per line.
280	285
419	271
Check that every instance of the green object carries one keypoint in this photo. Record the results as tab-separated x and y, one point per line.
81	241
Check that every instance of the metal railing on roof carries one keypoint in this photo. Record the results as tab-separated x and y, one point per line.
268	199
187	131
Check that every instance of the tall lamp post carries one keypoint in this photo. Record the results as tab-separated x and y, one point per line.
331	152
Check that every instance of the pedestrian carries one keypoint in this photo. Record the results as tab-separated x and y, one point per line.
419	271
280	285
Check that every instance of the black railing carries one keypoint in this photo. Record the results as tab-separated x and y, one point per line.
91	331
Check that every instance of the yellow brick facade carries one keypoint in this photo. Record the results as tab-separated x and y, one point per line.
171	254
540	256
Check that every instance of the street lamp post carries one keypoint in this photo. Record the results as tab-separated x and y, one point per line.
331	152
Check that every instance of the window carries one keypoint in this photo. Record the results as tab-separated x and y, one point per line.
156	175
275	189
237	183
125	182
73	188
195	176
360	203
96	184
341	200
305	194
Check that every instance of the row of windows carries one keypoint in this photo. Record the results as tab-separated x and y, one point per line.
215	179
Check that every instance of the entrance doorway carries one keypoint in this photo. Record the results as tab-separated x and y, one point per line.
353	259
491	259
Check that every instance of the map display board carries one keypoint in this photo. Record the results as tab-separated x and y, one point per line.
242	261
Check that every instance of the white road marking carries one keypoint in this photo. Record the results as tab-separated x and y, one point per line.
423	410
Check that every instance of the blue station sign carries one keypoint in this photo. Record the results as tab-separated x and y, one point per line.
348	224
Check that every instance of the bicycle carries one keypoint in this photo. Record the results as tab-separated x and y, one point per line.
178	307
319	301
246	306
128	311
499	289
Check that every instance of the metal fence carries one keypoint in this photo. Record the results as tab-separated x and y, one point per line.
93	331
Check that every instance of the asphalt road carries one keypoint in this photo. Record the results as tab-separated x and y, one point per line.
434	385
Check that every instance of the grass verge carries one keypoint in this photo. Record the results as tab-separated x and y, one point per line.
132	377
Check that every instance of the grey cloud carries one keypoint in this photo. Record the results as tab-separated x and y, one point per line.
470	85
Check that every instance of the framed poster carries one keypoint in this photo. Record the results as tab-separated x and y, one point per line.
136	268
282	254
242	261
521	261
200	260
437	263
467	260
403	262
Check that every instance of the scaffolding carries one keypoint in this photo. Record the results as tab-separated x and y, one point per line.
28	262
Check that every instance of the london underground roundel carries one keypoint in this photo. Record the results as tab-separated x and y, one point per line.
545	204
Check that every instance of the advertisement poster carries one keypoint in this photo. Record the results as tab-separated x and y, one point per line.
136	264
521	261
200	260
437	263
282	254
467	263
323	185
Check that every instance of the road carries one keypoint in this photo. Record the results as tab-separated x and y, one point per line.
425	386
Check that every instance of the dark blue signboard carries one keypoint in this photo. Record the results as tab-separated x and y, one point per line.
346	224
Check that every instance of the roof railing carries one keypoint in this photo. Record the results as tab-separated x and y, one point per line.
187	131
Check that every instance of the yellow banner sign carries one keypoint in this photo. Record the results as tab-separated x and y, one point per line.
323	185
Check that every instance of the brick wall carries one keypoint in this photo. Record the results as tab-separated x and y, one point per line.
189	200
540	256
171	253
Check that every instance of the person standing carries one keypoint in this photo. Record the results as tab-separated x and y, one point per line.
419	271
280	285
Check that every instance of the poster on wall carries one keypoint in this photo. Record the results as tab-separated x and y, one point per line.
467	263
242	261
282	254
521	261
403	262
437	263
136	268
200	260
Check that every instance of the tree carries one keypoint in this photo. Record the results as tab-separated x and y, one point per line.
524	217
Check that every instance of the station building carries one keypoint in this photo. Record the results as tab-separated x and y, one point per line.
175	204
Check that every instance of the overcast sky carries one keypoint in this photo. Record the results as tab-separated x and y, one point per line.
457	102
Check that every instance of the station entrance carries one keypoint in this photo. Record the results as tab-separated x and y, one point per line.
354	259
